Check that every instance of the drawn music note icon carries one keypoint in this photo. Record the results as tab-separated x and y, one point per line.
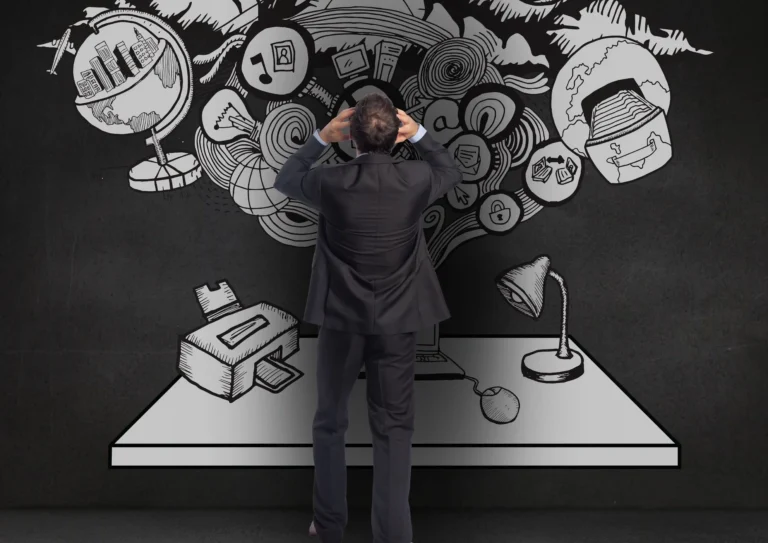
265	77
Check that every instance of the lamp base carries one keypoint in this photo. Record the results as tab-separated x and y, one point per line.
547	367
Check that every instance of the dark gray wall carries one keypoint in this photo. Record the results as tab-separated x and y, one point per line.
667	280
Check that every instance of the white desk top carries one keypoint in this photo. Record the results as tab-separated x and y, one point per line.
586	422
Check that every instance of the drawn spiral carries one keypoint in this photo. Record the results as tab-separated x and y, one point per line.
284	131
451	68
433	218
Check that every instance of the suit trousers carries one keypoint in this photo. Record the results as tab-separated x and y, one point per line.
389	366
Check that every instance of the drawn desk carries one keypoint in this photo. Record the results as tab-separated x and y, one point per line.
590	421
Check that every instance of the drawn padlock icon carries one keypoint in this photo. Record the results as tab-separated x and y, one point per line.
500	213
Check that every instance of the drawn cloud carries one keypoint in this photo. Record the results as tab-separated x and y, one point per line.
608	18
515	50
212	12
516	9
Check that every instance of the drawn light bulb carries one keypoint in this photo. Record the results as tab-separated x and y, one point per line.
226	117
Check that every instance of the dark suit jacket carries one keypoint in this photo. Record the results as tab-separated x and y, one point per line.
371	273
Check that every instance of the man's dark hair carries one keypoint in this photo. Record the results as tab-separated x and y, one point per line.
375	124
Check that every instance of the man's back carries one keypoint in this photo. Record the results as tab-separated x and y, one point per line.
372	212
371	273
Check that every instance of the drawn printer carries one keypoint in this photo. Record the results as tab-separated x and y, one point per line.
240	347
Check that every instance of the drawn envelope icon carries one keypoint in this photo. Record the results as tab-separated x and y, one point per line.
468	158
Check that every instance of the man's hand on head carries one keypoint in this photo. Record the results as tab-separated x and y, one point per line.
338	128
408	127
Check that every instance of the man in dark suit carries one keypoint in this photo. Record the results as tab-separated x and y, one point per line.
373	287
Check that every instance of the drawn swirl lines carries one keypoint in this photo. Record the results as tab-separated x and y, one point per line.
451	68
529	132
284	131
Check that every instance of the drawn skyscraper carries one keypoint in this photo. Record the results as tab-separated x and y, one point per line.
110	63
84	89
101	74
89	76
124	57
149	43
88	86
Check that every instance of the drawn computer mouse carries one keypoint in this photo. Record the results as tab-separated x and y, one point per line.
499	405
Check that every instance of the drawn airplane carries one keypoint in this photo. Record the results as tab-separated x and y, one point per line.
61	45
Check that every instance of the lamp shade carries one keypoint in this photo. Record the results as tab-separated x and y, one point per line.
523	286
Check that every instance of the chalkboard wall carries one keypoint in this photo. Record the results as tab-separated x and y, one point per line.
666	276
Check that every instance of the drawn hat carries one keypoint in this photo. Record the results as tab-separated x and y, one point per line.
620	114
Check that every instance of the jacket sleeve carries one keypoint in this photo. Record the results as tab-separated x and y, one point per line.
297	179
444	174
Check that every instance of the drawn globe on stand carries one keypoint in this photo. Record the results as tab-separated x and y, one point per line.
134	75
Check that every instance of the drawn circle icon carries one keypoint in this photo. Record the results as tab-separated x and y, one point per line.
491	109
285	130
451	68
226	117
499	212
553	173
252	187
346	149
441	120
472	155
599	66
275	61
463	196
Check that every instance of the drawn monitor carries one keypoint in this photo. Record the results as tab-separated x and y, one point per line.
431	363
351	62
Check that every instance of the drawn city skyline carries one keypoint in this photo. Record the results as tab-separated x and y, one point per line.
111	69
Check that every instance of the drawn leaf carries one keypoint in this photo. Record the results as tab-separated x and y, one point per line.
516	50
516	9
608	18
672	42
211	12
600	19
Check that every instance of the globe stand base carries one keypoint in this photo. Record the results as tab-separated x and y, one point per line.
179	170
547	367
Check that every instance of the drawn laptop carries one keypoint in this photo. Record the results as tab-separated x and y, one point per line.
431	363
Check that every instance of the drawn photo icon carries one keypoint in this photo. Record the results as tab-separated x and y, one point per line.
275	62
283	54
552	175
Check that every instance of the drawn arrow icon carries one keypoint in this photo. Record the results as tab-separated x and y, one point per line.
461	196
421	103
558	160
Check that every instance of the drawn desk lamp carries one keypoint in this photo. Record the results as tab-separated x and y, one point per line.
523	288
